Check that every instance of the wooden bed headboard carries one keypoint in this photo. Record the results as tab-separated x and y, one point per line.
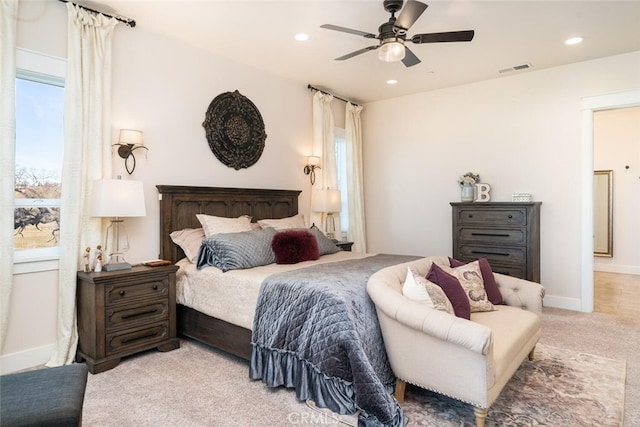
180	204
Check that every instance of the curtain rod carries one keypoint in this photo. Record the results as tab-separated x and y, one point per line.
127	21
327	93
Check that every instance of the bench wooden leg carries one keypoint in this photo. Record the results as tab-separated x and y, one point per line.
531	352
399	391
481	416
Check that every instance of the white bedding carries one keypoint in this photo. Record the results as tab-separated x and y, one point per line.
232	296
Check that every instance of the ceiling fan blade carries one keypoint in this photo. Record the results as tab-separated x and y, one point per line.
410	59
451	36
357	52
410	14
348	30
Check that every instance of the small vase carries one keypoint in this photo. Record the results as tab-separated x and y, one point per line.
467	193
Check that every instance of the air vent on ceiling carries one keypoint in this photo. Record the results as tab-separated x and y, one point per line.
515	68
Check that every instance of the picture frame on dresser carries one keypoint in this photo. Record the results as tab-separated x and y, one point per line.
506	233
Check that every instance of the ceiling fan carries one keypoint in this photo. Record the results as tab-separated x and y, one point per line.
393	34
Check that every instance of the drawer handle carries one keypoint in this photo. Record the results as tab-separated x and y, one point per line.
140	314
491	234
470	215
154	287
121	293
149	335
510	216
489	253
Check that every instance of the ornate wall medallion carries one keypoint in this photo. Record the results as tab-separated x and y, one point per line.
235	130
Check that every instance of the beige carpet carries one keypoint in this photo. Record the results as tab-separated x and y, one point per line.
199	386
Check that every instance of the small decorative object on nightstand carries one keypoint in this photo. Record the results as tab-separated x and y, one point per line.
344	245
124	312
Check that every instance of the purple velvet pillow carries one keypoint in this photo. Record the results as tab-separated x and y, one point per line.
293	246
452	289
490	285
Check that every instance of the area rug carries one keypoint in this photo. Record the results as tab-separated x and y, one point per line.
559	388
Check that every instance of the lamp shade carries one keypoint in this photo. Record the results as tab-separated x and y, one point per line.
130	136
327	200
117	198
313	161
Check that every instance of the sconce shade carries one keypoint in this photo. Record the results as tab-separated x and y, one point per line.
117	198
313	161
130	136
327	200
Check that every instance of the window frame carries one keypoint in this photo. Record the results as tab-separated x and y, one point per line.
44	69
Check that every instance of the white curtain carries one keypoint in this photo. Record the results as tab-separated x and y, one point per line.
8	25
324	146
86	158
355	188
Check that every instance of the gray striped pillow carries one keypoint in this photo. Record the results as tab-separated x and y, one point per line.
235	251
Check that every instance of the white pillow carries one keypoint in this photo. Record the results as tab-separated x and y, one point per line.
296	221
218	224
190	240
419	289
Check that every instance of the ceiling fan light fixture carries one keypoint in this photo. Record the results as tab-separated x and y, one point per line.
391	50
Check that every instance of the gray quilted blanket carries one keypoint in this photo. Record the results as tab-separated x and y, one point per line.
316	330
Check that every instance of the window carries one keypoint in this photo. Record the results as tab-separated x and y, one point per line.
341	169
38	151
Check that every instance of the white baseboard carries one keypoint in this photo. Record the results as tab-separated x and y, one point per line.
562	302
614	268
25	359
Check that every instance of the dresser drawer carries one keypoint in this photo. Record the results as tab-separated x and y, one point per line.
510	270
146	289
497	236
130	339
130	315
511	255
502	217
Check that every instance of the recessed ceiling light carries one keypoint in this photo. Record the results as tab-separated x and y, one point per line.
392	81
301	37
573	40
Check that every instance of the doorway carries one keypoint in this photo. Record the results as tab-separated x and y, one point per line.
590	106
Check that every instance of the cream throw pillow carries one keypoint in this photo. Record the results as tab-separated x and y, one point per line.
218	224
190	240
419	289
470	279
296	221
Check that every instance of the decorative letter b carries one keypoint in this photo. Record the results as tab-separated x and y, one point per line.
482	192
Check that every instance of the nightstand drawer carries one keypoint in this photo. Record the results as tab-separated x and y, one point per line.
503	217
126	316
496	236
120	342
492	253
146	289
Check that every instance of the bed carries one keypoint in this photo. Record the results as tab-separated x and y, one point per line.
179	206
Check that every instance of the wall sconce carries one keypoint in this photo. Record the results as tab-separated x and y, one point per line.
313	163
128	141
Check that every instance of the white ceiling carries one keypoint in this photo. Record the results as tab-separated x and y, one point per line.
507	33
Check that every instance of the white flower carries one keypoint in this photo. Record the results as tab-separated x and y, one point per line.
469	178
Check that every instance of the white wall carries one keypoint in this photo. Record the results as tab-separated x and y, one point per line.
521	133
162	87
616	136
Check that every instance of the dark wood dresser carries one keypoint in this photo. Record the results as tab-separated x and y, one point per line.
124	312
506	233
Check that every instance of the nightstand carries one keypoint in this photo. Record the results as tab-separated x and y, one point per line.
344	245
125	312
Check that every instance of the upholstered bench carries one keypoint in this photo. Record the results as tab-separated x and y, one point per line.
43	397
469	360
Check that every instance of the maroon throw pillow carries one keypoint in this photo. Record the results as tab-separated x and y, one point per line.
490	285
294	246
452	289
